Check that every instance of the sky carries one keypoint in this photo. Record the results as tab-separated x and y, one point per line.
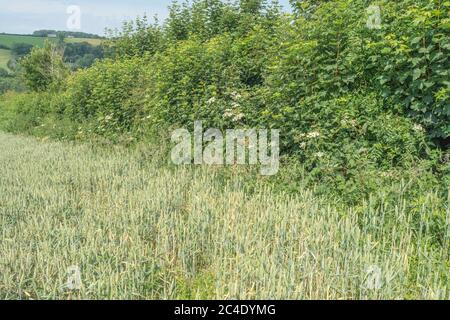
26	16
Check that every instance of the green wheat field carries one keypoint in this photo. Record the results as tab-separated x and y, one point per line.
140	229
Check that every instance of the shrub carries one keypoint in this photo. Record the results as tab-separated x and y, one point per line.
100	94
11	83
411	57
352	102
44	67
330	51
185	77
23	112
4	73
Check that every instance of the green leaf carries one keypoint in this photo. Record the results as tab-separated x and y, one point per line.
417	73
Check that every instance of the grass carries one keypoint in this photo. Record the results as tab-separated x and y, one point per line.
94	42
140	229
5	56
9	40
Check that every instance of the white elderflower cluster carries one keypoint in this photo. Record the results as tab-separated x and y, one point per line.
233	115
349	122
234	112
211	101
418	128
309	135
313	135
320	155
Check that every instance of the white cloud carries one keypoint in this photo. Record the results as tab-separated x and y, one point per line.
34	7
26	16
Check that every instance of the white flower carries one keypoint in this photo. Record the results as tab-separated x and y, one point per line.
313	135
320	154
238	117
418	128
211	100
235	95
228	113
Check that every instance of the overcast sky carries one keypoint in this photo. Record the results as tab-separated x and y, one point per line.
26	16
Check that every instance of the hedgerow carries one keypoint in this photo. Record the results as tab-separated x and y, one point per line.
348	99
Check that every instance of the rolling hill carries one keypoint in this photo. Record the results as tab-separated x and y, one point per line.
9	40
94	42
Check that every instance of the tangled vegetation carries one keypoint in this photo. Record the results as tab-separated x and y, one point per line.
320	75
363	112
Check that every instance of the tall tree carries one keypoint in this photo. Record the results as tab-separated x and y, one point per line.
43	66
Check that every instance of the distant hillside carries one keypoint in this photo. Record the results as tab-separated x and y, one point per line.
45	33
8	41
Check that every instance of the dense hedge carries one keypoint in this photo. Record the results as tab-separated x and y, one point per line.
346	97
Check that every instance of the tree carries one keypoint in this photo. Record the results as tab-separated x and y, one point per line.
43	66
252	7
306	7
21	49
60	36
135	39
177	24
